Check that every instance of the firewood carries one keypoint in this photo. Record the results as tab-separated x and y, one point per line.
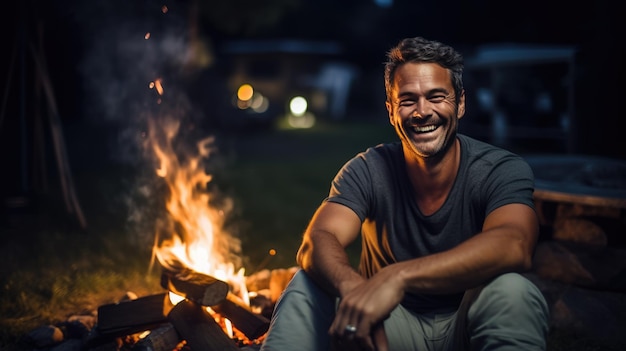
132	316
279	278
259	280
46	335
96	341
251	324
194	286
163	338
199	329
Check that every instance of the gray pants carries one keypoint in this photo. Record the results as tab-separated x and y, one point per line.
508	313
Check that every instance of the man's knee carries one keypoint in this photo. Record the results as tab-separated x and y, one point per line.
509	311
513	291
302	315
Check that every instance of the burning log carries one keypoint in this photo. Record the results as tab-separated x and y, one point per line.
200	330
252	325
133	316
197	287
279	278
164	338
208	291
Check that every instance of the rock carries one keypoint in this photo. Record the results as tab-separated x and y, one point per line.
595	267
579	230
44	336
592	314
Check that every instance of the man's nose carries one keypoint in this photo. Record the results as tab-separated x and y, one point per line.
422	109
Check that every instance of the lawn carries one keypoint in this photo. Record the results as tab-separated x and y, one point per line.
53	268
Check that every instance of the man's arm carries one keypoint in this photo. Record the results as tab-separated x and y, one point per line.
322	253
506	244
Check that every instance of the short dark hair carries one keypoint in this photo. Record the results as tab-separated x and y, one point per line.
419	49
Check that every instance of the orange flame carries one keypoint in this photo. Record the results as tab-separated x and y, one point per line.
194	238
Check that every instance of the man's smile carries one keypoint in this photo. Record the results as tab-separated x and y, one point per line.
424	129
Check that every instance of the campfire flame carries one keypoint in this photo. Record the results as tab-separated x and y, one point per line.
194	237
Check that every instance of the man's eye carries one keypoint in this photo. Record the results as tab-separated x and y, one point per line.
437	98
406	102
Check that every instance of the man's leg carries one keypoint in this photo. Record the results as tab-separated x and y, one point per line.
510	313
301	317
408	331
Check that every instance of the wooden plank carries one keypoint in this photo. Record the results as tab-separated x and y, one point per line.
194	286
582	199
199	329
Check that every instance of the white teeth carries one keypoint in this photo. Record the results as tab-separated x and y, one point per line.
425	129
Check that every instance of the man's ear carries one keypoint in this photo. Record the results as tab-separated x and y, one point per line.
389	111
461	106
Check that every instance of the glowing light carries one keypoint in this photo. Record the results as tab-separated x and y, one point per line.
272	252
158	86
242	105
384	3
144	334
245	92
298	106
175	298
229	327
147	36
259	103
307	120
164	9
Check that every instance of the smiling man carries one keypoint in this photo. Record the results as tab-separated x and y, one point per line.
446	223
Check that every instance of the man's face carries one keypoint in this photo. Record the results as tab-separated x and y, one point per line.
423	108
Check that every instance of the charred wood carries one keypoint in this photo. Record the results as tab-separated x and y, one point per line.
132	316
200	288
164	338
199	329
251	324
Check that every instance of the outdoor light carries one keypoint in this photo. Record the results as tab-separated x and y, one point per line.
260	103
298	106
245	92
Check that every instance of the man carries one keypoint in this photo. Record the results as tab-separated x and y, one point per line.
446	222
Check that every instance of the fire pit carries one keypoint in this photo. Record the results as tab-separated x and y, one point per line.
195	312
206	304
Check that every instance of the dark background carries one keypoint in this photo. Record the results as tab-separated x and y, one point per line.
98	60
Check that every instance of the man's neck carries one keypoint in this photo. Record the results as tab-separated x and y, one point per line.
432	178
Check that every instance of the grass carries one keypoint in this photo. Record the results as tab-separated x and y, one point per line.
275	179
52	268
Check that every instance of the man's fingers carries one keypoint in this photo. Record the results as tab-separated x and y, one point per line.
380	338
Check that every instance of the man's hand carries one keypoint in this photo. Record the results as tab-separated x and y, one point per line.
350	343
365	307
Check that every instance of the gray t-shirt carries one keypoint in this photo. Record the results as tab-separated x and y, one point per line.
375	185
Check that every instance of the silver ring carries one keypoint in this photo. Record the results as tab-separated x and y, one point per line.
350	329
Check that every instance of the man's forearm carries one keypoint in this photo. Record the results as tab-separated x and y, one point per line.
326	261
465	266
